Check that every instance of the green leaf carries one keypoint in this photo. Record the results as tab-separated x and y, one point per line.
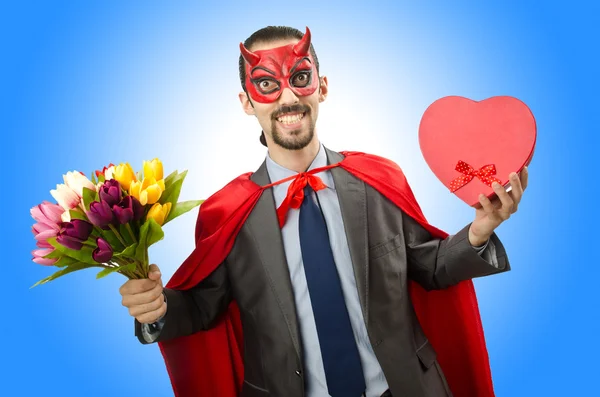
128	252
150	233
65	261
171	193
106	272
93	178
89	195
83	255
181	208
101	178
78	215
69	269
169	179
126	235
155	233
54	254
110	238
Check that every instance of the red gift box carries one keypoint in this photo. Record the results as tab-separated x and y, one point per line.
469	144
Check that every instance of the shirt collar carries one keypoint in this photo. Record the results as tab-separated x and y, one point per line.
278	172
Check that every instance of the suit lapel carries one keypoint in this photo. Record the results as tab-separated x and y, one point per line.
264	226
351	194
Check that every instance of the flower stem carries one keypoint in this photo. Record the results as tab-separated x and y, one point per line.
116	232
128	226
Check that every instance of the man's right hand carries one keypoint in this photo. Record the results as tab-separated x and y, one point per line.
144	298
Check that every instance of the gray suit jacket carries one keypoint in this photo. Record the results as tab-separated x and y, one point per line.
387	249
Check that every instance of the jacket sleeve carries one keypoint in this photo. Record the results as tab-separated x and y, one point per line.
192	310
440	263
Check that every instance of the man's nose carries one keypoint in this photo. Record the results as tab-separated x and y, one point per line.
288	97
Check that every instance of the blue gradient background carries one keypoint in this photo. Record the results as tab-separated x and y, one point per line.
84	85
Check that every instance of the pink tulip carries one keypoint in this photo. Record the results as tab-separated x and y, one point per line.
48	217
48	214
38	256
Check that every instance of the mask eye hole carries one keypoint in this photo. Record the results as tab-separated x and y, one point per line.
266	85
301	79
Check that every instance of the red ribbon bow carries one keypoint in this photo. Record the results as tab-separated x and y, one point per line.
484	174
295	193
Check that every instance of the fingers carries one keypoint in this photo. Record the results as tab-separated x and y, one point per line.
507	202
132	287
142	298
141	309
152	316
524	177
517	190
154	274
486	204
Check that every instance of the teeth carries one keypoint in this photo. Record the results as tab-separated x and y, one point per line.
290	119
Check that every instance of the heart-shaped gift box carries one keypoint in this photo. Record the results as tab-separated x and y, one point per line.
469	144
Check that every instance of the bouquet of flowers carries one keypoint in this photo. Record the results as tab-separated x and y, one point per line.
108	221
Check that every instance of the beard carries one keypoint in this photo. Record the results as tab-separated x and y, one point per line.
297	140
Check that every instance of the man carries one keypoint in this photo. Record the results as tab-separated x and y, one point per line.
319	268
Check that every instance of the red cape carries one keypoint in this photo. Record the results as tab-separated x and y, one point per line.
210	363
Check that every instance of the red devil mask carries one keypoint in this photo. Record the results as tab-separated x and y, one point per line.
269	72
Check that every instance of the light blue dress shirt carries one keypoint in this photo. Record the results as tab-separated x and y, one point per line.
316	384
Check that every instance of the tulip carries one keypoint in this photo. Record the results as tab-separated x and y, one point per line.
48	217
110	192
100	214
104	252
128	208
77	181
159	212
38	257
66	197
77	228
73	234
124	174
148	191
153	169
48	214
105	170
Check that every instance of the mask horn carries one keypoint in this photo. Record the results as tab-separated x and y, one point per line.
301	48
249	56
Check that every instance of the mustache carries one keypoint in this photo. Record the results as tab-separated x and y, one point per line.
290	109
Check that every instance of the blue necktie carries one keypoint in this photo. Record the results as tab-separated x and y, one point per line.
341	360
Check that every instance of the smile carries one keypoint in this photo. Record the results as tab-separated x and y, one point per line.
289	119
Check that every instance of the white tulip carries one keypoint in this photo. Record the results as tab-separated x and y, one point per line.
66	216
77	181
65	196
108	174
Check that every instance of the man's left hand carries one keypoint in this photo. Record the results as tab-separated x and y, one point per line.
492	213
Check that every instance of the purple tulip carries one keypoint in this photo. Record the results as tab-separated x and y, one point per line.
100	214
128	208
69	242
110	192
73	234
104	252
77	228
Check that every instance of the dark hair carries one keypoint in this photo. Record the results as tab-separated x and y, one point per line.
268	34
265	35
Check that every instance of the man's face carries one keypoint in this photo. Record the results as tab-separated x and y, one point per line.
285	91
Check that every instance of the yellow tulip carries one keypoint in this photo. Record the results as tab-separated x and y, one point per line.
159	212
153	169
148	191
124	175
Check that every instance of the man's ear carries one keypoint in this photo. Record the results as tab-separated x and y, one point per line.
323	88
246	103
